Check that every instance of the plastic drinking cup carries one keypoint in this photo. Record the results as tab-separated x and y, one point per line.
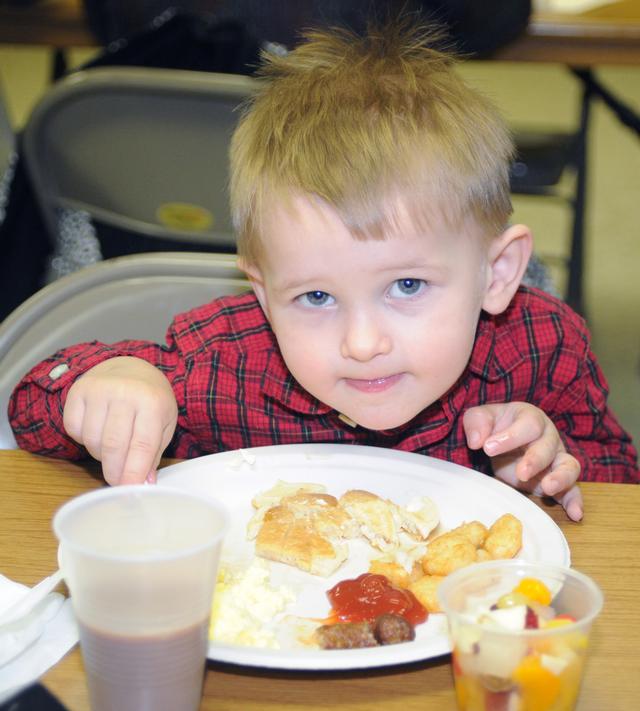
500	664
140	563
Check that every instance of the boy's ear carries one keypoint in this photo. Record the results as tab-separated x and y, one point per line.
508	258
254	275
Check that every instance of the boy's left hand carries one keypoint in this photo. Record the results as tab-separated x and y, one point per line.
526	451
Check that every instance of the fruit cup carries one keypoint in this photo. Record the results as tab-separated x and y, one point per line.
519	633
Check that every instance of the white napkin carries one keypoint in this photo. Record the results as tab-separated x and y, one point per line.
35	632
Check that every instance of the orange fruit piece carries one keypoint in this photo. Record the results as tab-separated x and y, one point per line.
535	590
539	686
557	622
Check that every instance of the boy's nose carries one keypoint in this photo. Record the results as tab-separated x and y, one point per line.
364	338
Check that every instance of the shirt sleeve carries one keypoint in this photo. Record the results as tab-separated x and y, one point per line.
37	404
590	430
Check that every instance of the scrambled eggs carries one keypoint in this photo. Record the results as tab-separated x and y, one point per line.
245	605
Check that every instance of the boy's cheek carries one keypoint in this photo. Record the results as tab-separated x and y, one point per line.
301	356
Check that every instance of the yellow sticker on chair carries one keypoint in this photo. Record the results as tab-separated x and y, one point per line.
184	216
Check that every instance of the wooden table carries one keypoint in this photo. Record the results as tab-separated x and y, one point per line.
609	34
58	23
606	545
606	35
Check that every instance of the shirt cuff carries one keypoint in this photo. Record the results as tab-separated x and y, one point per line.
58	374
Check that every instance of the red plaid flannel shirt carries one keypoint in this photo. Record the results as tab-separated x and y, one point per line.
234	390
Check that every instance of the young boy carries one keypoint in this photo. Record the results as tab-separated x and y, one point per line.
371	198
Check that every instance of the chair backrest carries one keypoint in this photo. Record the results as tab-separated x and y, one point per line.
142	150
123	298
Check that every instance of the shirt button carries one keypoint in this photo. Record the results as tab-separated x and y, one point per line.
59	370
347	420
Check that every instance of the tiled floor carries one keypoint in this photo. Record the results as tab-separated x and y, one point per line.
543	96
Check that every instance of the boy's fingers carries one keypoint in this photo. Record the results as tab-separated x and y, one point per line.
144	447
478	423
561	483
93	421
167	434
571	502
72	416
539	456
520	433
152	476
116	436
563	475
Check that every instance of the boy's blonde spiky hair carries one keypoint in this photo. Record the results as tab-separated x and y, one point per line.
357	120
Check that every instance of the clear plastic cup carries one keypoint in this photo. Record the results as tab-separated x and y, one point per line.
498	663
141	563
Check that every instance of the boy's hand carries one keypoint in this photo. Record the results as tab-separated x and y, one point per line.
526	451
124	412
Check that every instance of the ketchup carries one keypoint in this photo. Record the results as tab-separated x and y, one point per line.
370	595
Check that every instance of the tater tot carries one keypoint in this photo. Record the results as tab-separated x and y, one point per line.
425	590
474	531
504	539
448	553
396	573
444	542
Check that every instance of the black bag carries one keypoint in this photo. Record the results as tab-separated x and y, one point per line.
176	39
480	28
477	27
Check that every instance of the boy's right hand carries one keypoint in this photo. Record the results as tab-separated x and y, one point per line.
124	412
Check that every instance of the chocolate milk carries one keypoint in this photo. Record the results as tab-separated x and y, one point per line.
159	673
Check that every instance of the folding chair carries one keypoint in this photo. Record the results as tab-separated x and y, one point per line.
143	151
542	159
133	297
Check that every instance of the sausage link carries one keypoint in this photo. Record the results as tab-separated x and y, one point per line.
393	629
346	635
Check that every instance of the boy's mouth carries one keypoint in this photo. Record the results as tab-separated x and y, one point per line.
374	385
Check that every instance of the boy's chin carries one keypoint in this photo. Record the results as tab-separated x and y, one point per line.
379	421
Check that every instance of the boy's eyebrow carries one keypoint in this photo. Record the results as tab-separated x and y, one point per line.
408	266
294	284
412	264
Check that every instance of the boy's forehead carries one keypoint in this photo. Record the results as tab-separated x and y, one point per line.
304	237
396	216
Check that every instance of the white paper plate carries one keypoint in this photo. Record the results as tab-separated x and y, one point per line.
460	494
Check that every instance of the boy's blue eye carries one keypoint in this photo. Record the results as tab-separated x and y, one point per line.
316	298
407	287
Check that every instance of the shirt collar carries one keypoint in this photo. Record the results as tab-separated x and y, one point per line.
495	352
279	384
